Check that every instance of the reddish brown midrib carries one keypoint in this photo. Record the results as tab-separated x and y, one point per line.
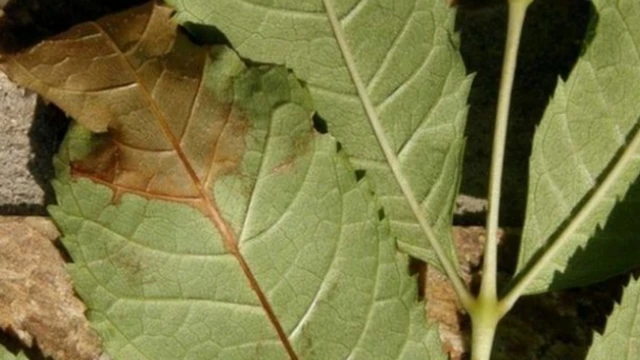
228	236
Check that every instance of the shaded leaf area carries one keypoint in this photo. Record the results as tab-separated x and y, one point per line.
209	220
613	249
37	302
404	53
620	338
583	136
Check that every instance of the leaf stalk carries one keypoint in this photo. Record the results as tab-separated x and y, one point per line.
461	290
517	13
485	316
487	311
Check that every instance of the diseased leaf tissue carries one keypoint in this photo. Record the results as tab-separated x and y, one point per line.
208	219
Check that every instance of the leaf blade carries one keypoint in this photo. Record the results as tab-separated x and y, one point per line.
7	355
620	338
413	74
571	160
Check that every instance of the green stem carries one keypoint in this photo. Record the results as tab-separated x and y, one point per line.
463	294
517	12
484	318
486	312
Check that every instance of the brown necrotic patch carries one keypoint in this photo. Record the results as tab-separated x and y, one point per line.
136	77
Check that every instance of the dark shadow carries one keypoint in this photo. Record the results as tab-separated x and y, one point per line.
557	325
552	40
320	124
418	269
28	21
45	136
611	251
23	209
13	345
205	34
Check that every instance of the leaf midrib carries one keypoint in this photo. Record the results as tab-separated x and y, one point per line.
212	212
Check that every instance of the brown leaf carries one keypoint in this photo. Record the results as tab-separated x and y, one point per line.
36	297
134	75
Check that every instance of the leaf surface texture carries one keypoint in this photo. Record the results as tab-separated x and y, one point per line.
589	124
211	221
404	53
622	334
6	355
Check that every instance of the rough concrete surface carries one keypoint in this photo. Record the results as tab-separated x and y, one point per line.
17	185
30	132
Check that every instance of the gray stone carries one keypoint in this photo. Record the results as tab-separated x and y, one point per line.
17	185
30	133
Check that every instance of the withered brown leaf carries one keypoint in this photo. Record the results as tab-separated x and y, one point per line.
135	75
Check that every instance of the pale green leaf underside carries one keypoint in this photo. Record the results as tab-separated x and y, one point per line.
586	126
7	355
416	79
621	338
160	284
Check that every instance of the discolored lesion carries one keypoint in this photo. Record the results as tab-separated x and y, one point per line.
137	79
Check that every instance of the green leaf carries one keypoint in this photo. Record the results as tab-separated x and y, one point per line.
403	51
160	284
621	338
585	157
7	355
211	220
